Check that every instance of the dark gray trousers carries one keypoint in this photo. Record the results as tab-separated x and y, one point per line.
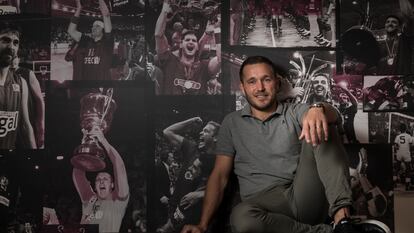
320	187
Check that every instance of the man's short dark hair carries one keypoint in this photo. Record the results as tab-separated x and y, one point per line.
215	125
277	70
403	128
7	27
395	17
188	32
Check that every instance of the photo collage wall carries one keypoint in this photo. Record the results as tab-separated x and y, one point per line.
123	99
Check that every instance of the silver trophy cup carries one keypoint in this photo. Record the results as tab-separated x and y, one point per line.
96	115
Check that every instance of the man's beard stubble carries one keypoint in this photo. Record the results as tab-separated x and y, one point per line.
6	57
261	108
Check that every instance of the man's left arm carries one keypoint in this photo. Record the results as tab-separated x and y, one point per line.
120	175
27	127
40	109
315	123
214	63
106	15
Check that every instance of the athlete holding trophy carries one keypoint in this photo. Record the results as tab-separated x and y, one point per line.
105	202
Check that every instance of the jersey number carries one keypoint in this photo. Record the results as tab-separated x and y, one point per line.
402	139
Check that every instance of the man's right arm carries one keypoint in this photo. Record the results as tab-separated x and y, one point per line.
172	132
161	42
214	193
82	185
73	25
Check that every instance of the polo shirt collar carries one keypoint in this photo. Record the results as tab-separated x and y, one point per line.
247	111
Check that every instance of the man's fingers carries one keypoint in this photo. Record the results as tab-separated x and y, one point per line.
320	131
313	135
307	133
305	129
325	129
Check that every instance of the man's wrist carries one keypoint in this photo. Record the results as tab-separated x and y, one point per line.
202	227
318	106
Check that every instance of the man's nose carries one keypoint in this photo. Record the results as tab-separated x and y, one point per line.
260	85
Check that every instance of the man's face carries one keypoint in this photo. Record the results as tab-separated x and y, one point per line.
189	45
391	25
120	72
103	185
97	31
206	136
320	85
9	46
260	86
345	99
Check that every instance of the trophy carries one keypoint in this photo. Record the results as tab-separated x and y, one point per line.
96	115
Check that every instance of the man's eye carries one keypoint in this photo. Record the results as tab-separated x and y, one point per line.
5	40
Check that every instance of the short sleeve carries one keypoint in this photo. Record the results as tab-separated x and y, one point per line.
109	40
299	110
225	144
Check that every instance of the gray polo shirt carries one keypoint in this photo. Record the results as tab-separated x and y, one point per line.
265	152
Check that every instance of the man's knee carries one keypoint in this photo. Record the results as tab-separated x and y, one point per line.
332	147
245	218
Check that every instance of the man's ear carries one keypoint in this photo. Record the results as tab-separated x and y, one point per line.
112	185
242	88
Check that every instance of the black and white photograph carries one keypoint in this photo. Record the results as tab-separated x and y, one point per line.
99	154
184	157
40	7
309	74
21	189
386	94
25	67
347	98
187	43
282	23
400	136
94	43
378	124
372	191
376	37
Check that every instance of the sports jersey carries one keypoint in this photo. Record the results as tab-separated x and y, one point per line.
181	80
7	7
93	58
25	74
107	213
10	110
403	141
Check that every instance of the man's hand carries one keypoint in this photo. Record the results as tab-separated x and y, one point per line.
213	87
193	229
166	7
191	198
197	120
298	91
164	200
97	133
314	126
